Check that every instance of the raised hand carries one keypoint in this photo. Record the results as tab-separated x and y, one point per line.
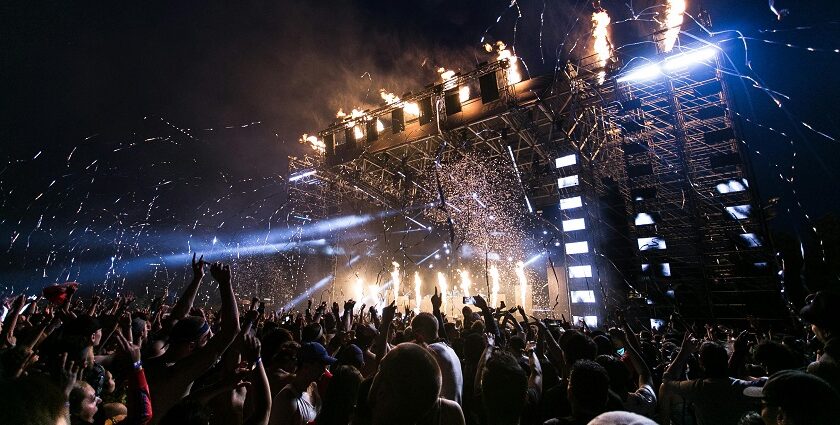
388	313
220	272
251	347
437	300
480	302
690	343
129	349
198	267
70	373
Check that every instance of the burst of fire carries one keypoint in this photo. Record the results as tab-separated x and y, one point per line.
464	93
513	74
314	142
359	289
523	282
410	108
466	283
380	127
395	279
446	74
417	298
494	289
673	21
600	22
444	290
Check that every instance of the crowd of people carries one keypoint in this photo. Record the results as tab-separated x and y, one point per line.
68	360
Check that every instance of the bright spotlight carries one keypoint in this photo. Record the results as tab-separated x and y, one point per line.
644	73
298	176
683	60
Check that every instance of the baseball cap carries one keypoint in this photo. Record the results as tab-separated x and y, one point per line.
821	309
83	325
794	390
351	355
313	352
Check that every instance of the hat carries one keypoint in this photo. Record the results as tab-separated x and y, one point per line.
83	325
312	332
351	355
188	329
313	352
821	310
794	390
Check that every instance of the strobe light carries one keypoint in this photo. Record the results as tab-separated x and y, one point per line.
671	64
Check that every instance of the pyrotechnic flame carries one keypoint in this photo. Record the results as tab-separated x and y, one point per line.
444	290
417	284
523	282
359	289
358	133
600	22
494	289
464	93
395	279
465	282
380	127
446	74
410	108
673	21
513	75
314	142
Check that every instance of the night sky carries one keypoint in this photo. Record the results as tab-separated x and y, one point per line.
143	129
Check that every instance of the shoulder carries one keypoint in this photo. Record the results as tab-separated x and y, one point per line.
450	412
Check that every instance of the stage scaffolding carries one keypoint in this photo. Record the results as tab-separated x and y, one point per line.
644	184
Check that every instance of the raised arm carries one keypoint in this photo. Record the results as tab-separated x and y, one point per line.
490	324
437	301
380	346
139	400
479	369
645	377
192	366
535	380
185	302
260	388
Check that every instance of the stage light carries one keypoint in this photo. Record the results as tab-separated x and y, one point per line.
683	60
644	73
301	175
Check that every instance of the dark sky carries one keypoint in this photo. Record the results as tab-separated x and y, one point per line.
139	96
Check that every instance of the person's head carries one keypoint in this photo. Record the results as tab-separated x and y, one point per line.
821	313
474	345
477	326
618	373
774	357
714	360
313	332
504	389
188	334
620	417
285	356
452	331
86	327
406	386
792	397
351	355
187	412
577	346
83	402
516	345
313	360
32	400
340	398
425	327
604	345
589	387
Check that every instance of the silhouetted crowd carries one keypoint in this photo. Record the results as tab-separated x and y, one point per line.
67	360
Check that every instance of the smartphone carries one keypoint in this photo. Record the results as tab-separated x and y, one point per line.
469	300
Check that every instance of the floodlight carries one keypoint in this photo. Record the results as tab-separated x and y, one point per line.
296	177
646	72
683	60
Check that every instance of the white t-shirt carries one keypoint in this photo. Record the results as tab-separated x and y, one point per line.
305	407
450	370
